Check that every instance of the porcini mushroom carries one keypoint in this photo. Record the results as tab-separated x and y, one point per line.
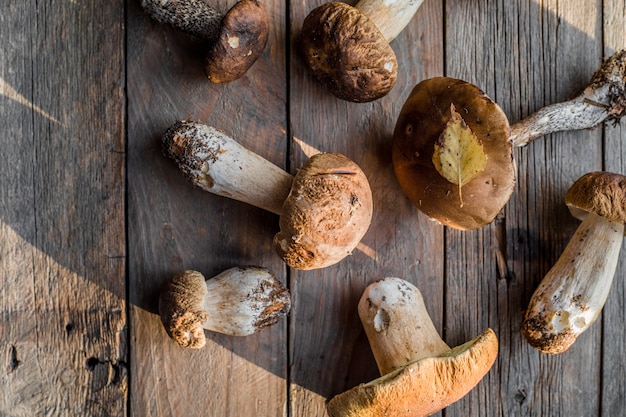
238	302
347	48
420	373
444	127
572	294
324	211
602	100
237	38
435	156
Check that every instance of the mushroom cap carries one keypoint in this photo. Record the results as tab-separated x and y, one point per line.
420	123
347	53
602	193
181	308
422	387
242	39
327	212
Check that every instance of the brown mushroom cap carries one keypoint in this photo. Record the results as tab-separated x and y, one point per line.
181	308
601	193
423	387
347	53
326	214
242	39
421	122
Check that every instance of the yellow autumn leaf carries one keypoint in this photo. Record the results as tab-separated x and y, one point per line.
458	155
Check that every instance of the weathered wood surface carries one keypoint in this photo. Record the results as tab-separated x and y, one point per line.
94	219
63	324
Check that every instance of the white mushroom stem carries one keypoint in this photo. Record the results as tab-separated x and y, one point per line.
603	99
241	301
390	16
216	163
397	324
572	294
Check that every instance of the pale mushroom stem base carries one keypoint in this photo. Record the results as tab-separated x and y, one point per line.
572	294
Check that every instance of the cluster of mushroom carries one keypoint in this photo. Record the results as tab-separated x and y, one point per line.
453	158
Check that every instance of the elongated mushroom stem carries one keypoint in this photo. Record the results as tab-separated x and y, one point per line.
572	294
602	100
237	38
324	210
347	48
238	302
421	374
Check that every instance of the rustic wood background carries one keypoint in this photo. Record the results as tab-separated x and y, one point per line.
93	218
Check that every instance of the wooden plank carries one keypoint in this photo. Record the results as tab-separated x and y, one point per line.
173	226
613	394
62	257
329	351
524	55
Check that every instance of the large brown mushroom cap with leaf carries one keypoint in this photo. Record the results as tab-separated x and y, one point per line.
451	153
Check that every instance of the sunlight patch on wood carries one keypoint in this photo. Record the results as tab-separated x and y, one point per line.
306	149
9	92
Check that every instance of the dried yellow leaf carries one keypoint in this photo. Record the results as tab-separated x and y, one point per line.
458	155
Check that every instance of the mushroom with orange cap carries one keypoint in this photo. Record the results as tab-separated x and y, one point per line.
421	374
238	302
347	48
237	38
572	294
324	211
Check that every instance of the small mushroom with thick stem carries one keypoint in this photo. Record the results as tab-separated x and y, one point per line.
324	211
237	38
424	125
420	373
238	302
572	294
347	48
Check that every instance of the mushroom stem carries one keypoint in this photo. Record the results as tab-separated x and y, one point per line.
572	294
216	163
397	324
194	17
391	17
603	99
238	302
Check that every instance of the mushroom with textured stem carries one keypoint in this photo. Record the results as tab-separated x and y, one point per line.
347	48
238	302
572	294
325	210
237	38
420	373
457	166
602	100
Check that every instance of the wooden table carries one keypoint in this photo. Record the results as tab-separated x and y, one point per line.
94	219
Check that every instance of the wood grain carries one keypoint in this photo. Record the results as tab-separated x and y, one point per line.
62	256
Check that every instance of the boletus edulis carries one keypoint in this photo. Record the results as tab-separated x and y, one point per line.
236	39
421	374
238	302
347	47
453	146
572	294
325	210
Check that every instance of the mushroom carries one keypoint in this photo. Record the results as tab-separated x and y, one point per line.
237	38
572	294
238	302
602	100
420	373
457	118
347	48
468	195
324	211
